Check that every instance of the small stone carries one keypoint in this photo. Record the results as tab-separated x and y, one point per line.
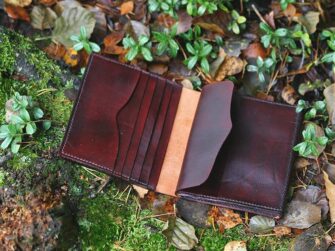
194	213
313	239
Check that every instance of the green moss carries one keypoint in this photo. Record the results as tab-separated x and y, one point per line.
213	240
111	222
7	54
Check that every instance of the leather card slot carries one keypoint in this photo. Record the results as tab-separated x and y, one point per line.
156	135
148	129
92	135
139	128
126	121
165	136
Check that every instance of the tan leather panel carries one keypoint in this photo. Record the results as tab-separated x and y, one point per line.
173	160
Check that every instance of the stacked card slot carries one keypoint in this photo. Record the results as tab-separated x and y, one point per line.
165	136
126	120
148	130
139	128
155	136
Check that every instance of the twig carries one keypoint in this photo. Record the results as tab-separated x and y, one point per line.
104	184
155	216
259	14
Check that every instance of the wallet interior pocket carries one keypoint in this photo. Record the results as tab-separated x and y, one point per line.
252	168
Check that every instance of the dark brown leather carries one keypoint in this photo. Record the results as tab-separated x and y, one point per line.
252	169
122	122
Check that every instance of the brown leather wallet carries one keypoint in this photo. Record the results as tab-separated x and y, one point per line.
215	147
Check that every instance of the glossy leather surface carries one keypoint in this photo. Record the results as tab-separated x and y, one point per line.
121	121
239	152
252	170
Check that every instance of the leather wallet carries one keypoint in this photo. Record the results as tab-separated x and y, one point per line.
215	147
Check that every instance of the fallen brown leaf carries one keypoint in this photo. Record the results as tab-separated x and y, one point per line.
228	218
71	57
230	66
165	20
330	189
140	191
290	12
289	95
282	231
55	51
255	50
17	12
111	41
127	7
48	2
158	68
236	246
20	3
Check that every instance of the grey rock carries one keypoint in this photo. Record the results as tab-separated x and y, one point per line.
193	212
313	239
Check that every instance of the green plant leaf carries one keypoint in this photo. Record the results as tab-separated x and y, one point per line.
204	65
146	54
24	114
322	140
191	62
46	124
15	145
38	113
30	129
143	39
281	32
78	46
95	47
132	53
16	119
6	142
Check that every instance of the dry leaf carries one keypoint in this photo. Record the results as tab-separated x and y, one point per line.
330	192
217	22
269	18
165	20
48	2
301	215
260	224
111	41
55	51
158	68
282	231
140	191
20	3
263	96
255	50
187	83
184	22
290	11
230	66
17	12
71	57
310	20
180	234
329	94
70	22
236	246
43	17
289	95
127	7
228	218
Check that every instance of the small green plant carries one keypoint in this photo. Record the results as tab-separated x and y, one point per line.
21	122
311	143
141	47
82	42
192	34
2	178
200	7
237	23
165	6
199	51
330	134
330	56
299	32
313	86
263	67
285	3
277	38
166	41
318	109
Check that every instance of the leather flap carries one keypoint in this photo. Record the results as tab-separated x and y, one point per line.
211	127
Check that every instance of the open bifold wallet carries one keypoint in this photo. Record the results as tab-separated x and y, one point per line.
215	147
